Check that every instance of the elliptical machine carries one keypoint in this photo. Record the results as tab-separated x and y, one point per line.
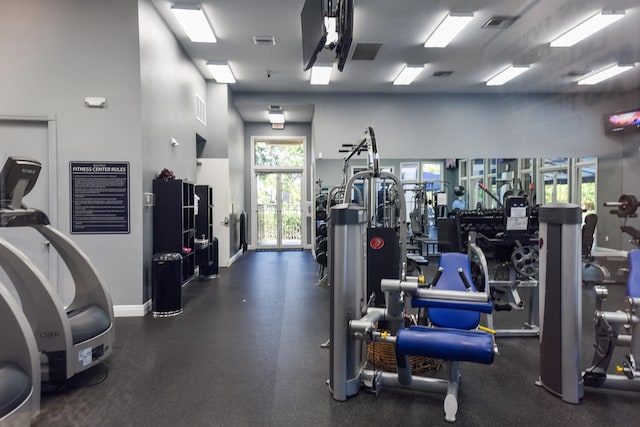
70	339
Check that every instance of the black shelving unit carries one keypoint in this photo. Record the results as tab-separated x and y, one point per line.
207	248
174	222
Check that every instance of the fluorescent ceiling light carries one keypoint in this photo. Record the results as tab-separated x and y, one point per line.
604	74
332	33
194	22
408	74
583	30
448	29
507	74
276	116
221	72
321	74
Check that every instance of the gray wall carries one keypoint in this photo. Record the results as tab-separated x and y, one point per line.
170	83
48	68
237	182
225	140
217	136
459	126
462	126
122	50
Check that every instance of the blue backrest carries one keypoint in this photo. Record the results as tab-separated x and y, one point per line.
633	282
450	280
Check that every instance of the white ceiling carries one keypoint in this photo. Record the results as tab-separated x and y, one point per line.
402	27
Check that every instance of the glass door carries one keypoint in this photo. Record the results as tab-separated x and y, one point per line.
279	209
585	188
554	175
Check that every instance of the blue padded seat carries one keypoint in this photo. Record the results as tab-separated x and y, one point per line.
15	387
633	281
446	344
88	322
450	280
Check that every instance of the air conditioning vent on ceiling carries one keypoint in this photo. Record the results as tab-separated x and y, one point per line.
441	73
264	40
500	22
575	73
365	51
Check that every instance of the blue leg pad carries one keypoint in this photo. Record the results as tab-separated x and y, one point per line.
446	344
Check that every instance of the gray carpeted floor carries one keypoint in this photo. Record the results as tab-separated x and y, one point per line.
246	352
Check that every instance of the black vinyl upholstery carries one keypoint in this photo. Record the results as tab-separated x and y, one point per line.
88	322
15	387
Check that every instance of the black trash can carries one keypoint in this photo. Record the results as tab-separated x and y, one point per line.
203	257
166	286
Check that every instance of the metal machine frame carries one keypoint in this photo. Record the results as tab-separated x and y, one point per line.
71	339
353	319
617	328
20	356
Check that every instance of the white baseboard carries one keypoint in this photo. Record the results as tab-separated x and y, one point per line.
132	310
234	258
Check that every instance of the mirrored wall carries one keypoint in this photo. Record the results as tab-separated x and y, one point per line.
481	183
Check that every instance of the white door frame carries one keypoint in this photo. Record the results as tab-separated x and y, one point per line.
303	192
52	209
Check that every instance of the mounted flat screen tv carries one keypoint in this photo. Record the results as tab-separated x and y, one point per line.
314	33
345	31
622	122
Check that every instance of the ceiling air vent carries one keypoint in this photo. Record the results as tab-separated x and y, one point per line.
576	73
365	51
500	22
441	73
264	40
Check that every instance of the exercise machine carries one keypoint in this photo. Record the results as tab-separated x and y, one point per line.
607	266
561	315
70	339
617	328
452	303
453	315
622	327
508	236
592	271
561	307
626	207
386	237
19	365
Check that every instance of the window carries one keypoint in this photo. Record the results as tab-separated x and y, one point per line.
409	172
554	174
432	175
279	154
586	187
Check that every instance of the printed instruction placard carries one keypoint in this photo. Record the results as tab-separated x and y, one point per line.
99	197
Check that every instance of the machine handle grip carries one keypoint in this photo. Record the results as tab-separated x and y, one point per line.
437	277
464	279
